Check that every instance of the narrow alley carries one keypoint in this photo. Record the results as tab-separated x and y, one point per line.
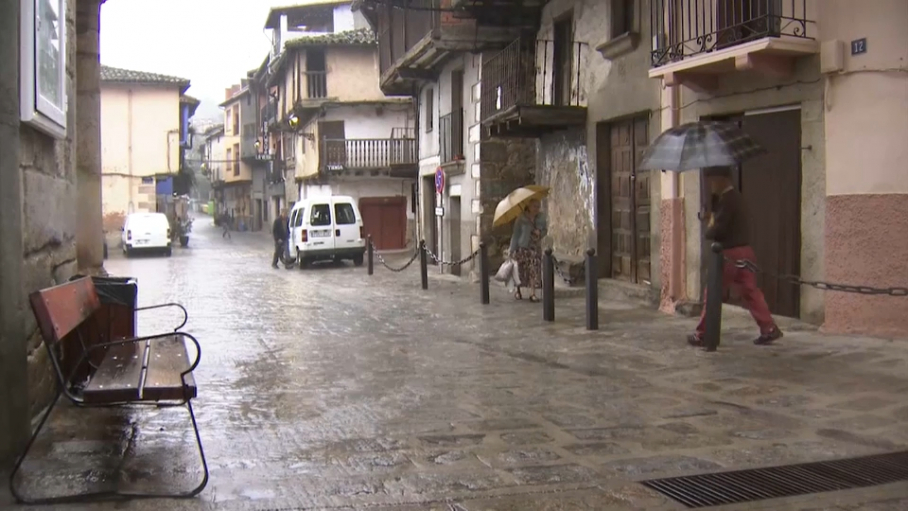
326	388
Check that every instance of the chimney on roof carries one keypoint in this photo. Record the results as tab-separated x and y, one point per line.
282	36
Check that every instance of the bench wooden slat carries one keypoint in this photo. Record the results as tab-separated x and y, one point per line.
61	309
167	359
119	376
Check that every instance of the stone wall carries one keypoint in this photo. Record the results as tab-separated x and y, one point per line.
13	402
506	164
39	197
565	168
48	223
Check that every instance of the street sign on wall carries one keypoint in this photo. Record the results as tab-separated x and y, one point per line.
439	180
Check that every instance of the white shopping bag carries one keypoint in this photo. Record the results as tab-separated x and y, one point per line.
505	271
509	274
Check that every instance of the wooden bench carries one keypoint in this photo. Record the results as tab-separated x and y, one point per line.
150	370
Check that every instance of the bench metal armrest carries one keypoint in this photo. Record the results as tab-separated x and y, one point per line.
162	305
156	337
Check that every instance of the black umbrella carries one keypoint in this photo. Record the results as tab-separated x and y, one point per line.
697	145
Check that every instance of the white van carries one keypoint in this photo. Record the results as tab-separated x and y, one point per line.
146	232
326	228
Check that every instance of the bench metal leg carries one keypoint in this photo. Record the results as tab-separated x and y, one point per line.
108	495
28	447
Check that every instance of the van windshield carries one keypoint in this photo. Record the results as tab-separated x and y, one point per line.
321	214
344	214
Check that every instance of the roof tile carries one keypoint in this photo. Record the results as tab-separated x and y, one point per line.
118	75
358	37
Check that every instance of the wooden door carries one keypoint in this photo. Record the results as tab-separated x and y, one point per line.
739	21
456	133
454	228
562	55
771	187
630	203
385	219
331	137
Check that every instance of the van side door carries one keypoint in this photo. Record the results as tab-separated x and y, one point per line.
346	225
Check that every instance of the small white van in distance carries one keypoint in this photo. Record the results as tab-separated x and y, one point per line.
146	232
326	228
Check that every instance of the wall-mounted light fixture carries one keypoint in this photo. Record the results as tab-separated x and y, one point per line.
293	120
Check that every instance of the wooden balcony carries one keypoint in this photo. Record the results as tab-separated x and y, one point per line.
533	87
395	157
502	13
412	42
696	41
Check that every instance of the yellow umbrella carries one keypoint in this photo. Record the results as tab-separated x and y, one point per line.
511	206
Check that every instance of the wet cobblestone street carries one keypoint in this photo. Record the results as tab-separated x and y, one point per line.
326	388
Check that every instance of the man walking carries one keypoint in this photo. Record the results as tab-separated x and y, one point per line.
281	232
225	225
729	227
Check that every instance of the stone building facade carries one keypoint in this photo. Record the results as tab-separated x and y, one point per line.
50	209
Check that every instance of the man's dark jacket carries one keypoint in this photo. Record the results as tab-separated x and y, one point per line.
280	229
729	221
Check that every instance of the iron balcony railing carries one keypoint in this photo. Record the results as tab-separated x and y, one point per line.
316	84
684	28
367	153
532	73
451	132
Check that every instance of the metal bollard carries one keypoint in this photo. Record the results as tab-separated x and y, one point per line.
714	298
423	264
592	292
483	273
548	286
369	250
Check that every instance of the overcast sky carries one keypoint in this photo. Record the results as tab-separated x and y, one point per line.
213	43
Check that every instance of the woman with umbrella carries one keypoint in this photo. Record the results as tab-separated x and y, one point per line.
530	226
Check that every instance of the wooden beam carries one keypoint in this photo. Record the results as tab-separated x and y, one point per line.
697	82
410	73
777	66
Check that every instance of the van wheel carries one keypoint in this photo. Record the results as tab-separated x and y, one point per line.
357	260
169	252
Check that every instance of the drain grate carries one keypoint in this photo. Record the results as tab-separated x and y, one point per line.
786	481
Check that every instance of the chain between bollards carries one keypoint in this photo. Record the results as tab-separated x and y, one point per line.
548	286
483	273
423	264
592	292
370	254
714	293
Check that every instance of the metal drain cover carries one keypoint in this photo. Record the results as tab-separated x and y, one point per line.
750	485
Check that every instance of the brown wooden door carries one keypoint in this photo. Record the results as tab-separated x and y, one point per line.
630	203
562	54
770	186
385	219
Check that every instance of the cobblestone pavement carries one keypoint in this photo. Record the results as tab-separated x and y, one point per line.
325	388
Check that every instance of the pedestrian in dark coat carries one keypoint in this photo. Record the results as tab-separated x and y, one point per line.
728	225
280	230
